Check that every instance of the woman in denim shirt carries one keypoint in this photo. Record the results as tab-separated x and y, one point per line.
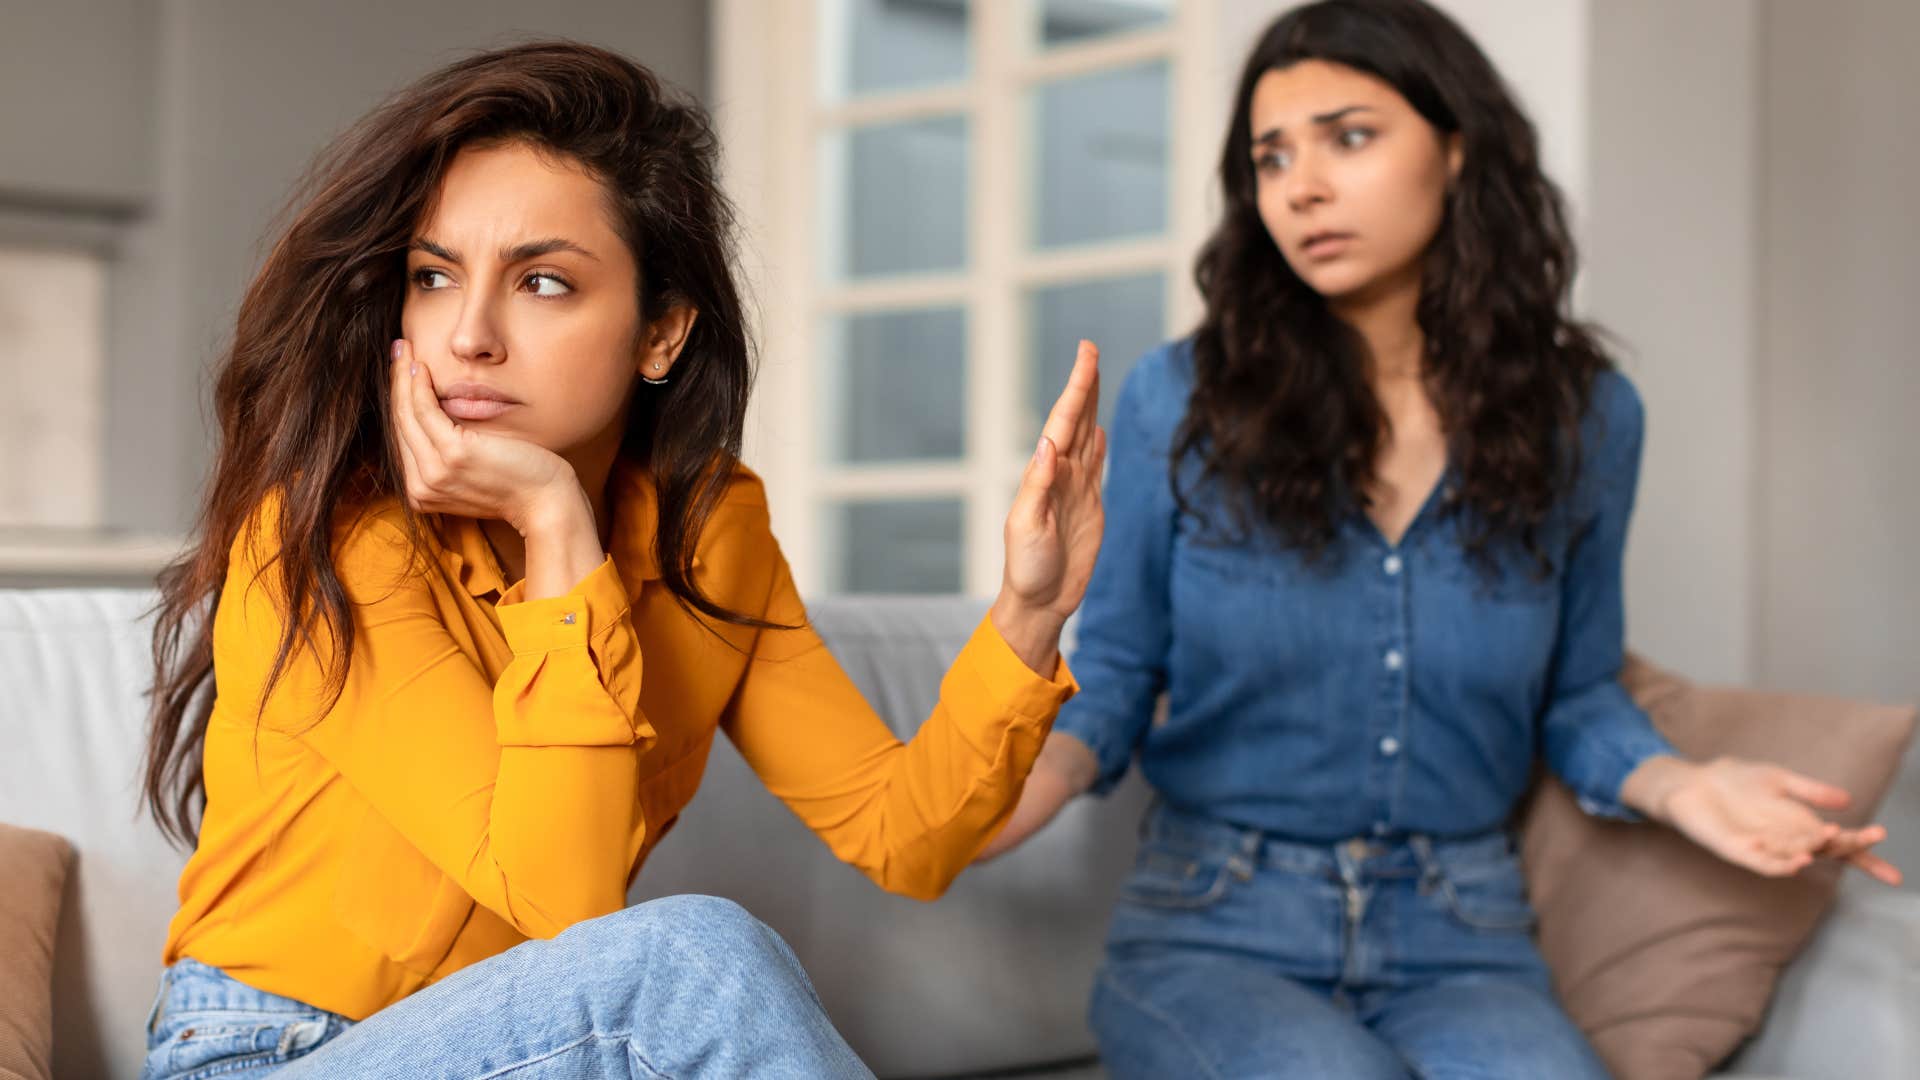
1364	533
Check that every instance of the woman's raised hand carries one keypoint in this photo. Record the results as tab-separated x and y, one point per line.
1053	530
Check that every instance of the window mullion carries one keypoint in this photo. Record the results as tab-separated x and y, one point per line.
997	227
1194	118
793	334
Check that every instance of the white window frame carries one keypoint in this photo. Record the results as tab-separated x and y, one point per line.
771	116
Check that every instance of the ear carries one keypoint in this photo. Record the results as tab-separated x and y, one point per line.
1456	156
663	339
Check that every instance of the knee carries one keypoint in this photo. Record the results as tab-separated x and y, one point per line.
707	931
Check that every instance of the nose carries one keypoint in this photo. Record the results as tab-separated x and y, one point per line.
1305	184
476	337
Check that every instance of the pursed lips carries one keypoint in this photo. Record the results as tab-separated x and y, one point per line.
474	401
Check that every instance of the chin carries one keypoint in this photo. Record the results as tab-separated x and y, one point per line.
1336	283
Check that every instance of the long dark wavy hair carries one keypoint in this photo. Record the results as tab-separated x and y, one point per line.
302	393
1282	414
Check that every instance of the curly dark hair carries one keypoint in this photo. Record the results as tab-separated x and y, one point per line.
1282	414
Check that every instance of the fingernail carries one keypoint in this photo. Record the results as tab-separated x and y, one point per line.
413	369
395	349
1040	448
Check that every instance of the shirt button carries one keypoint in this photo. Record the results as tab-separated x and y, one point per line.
567	619
1389	746
1395	661
1391	566
1381	828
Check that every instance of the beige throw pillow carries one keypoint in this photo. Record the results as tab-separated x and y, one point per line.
33	874
1665	955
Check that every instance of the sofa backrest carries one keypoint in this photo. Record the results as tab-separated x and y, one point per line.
74	664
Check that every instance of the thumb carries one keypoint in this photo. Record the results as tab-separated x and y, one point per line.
1029	505
1813	792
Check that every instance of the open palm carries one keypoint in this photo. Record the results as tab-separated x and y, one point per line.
1053	530
1763	817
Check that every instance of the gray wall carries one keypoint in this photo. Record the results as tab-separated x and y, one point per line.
71	78
237	97
1671	252
1839	457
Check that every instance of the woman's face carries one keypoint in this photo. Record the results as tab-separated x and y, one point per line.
1351	181
519	288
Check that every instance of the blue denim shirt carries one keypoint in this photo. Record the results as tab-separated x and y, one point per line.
1383	690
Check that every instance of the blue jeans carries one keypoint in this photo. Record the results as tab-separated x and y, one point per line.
1233	954
686	986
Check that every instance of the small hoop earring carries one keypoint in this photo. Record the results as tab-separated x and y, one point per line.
654	382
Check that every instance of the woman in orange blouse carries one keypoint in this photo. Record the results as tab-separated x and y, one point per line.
478	576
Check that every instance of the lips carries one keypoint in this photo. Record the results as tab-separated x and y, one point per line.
475	401
1326	244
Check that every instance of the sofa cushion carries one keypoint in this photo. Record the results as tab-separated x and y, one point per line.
1664	954
33	877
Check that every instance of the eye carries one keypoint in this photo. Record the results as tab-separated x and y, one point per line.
1356	137
1273	161
545	285
431	279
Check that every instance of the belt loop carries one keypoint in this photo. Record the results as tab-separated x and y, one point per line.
1430	873
1247	860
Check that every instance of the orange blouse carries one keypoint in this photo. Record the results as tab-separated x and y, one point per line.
498	768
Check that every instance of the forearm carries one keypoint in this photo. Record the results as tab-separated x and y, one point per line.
1066	768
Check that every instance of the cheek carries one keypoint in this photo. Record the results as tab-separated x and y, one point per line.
1405	204
587	362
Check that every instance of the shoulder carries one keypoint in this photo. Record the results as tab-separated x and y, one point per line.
741	515
371	551
375	564
737	553
1611	436
1153	396
1615	421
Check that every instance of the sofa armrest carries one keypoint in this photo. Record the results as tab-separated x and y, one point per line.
1846	1006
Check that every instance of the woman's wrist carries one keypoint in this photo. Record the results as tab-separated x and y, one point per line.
562	542
1649	788
1032	633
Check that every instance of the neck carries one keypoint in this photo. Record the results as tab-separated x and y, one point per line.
1387	320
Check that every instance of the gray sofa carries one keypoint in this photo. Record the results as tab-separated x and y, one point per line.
991	980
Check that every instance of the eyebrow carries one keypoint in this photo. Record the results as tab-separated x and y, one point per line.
531	249
1273	134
